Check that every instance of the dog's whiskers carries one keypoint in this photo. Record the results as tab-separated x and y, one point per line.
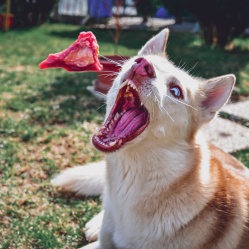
192	68
149	94
176	100
183	65
162	108
101	105
107	75
100	93
123	60
106	71
110	60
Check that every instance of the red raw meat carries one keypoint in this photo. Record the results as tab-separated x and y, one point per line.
82	55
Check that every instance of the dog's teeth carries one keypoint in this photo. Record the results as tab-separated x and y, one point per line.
112	143
116	116
124	84
142	103
131	84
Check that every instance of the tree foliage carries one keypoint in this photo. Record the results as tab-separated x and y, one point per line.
147	8
220	20
177	8
29	13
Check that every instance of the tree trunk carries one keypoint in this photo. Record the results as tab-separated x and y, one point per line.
222	35
207	32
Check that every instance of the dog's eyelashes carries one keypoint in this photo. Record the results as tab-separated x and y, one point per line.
176	91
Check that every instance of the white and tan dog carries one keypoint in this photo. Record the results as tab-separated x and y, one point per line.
165	186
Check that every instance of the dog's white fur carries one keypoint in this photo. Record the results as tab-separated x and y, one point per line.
88	180
148	203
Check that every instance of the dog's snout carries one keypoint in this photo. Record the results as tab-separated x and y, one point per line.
143	67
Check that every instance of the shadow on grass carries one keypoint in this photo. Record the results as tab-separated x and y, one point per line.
67	101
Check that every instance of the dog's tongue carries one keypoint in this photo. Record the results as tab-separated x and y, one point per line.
128	123
124	125
81	56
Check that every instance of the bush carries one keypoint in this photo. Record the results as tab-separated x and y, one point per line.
146	8
220	20
178	8
29	13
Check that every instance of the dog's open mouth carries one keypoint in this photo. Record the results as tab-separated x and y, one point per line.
127	119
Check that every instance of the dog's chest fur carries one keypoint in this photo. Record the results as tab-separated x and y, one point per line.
150	212
148	208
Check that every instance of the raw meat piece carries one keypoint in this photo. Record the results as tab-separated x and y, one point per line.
82	55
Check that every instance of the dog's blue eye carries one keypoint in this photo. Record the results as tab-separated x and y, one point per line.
176	91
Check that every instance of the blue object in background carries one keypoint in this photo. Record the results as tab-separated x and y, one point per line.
100	8
162	13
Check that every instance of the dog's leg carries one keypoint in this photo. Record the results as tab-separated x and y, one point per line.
106	240
93	227
87	180
94	245
106	232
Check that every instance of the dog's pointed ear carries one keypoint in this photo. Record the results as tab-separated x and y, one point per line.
156	45
216	92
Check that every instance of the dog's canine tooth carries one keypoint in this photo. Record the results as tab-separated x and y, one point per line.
124	84
99	133
112	143
131	84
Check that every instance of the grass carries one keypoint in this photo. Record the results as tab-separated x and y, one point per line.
47	118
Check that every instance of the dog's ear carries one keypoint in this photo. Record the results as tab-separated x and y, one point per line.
216	92
156	45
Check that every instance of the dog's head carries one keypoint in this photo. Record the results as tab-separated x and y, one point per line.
153	99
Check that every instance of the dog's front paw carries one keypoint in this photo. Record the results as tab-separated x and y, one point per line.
92	227
94	245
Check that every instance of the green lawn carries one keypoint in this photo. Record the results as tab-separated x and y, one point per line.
47	118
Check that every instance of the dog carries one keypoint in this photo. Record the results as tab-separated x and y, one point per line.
165	186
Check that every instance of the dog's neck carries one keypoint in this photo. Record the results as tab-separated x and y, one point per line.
166	162
147	175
